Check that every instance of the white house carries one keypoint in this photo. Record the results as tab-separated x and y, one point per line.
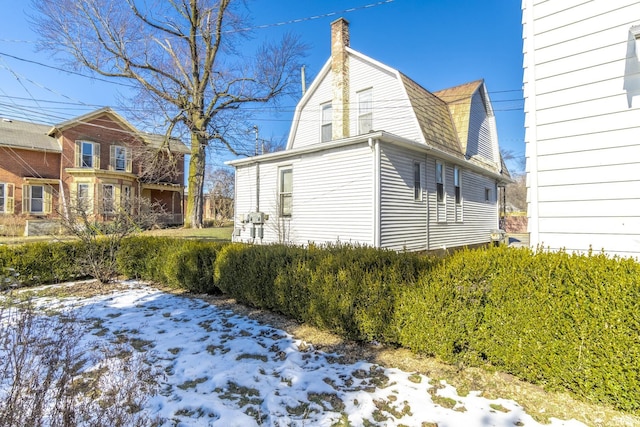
582	105
375	159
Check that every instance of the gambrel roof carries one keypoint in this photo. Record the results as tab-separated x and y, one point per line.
434	118
458	99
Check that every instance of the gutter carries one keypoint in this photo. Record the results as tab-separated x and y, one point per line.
365	138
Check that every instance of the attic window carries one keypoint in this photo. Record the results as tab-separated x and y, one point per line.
325	127
365	111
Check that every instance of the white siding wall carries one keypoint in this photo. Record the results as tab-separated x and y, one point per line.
391	110
479	217
332	198
403	220
481	136
582	105
308	126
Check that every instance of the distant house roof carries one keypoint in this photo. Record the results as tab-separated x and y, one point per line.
27	136
42	137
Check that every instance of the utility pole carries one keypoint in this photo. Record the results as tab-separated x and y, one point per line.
255	129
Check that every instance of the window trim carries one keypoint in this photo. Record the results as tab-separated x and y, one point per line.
83	203
457	183
328	124
440	181
112	200
27	199
282	194
417	182
7	203
362	106
80	156
126	158
487	194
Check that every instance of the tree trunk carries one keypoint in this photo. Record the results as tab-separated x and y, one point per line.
193	218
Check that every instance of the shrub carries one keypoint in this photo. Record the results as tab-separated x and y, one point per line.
189	265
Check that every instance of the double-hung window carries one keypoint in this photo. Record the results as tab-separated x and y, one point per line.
108	198
83	197
286	191
87	154
440	181
120	158
6	198
417	179
365	111
326	121
457	183
36	199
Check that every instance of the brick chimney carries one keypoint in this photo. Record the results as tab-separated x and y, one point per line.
340	78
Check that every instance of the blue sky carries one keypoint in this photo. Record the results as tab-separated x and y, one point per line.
438	43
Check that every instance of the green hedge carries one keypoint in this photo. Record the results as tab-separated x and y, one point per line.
41	262
564	321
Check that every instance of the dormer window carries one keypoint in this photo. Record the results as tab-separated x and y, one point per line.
326	121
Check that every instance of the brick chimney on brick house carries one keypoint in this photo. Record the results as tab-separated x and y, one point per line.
340	78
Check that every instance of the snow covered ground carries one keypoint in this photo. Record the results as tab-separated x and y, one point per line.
221	369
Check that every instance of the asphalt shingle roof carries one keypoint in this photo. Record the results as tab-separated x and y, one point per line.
25	135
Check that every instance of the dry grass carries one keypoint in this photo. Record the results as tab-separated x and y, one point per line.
537	402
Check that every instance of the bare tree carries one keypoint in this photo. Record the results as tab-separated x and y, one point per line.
183	57
221	194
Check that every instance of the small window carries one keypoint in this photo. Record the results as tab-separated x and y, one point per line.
487	194
37	199
125	197
83	197
456	183
417	179
440	182
365	111
87	154
120	158
286	187
327	119
108	198
6	198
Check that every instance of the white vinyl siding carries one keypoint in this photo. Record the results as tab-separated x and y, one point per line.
582	103
390	106
403	220
480	140
480	217
331	197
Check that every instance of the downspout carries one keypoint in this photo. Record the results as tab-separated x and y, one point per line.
375	146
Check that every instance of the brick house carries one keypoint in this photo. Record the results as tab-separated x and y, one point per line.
88	158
